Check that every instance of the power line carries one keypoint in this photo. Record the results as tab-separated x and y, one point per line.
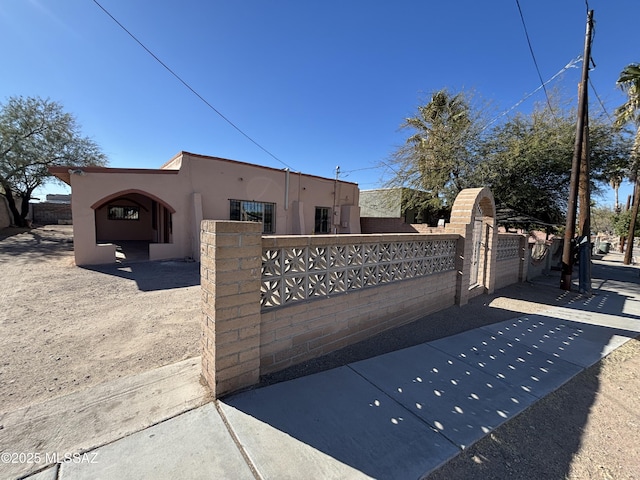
593	36
190	87
572	64
535	62
365	168
604	109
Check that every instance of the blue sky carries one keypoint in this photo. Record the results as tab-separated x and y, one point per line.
317	84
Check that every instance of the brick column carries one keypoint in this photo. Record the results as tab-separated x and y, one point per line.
231	260
462	221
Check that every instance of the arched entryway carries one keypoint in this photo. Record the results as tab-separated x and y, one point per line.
473	217
132	220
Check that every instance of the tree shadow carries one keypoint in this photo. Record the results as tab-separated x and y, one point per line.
36	244
554	351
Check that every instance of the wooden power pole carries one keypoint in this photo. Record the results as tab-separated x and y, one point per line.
584	220
567	251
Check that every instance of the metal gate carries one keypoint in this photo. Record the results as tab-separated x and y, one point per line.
477	253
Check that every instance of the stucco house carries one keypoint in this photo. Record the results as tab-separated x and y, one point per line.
162	209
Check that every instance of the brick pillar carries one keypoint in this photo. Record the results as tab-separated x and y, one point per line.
231	260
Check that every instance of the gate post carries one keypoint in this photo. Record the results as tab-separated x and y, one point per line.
463	215
231	261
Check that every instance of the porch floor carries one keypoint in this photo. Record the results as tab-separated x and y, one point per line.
132	251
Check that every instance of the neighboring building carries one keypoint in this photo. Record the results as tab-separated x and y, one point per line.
393	210
383	202
164	207
392	203
58	198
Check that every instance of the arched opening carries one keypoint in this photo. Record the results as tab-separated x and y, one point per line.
132	220
483	228
474	217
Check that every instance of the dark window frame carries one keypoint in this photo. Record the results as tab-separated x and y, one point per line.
252	211
129	213
322	220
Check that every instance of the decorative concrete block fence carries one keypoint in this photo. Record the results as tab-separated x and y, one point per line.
269	302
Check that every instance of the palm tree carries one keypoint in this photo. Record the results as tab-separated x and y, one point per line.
439	152
615	183
629	112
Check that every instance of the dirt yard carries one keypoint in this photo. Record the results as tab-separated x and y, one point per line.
65	328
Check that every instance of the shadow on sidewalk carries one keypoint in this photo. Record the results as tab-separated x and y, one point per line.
544	446
505	304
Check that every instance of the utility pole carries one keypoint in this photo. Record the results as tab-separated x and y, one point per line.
628	253
584	221
567	253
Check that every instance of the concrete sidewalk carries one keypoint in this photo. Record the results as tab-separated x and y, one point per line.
399	415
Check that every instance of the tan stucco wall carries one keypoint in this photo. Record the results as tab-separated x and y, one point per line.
110	230
220	181
93	187
198	187
5	216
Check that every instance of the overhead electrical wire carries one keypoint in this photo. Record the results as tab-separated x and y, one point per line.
604	109
593	87
572	64
190	88
535	62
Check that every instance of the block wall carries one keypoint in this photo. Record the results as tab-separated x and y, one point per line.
515	268
394	225
51	213
309	329
241	340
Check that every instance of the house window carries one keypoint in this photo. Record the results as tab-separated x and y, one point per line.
322	220
121	212
260	212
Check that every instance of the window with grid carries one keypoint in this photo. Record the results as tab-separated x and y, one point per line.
322	224
260	212
123	212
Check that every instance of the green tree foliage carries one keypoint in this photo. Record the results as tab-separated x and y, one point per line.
525	160
602	219
35	134
438	156
622	222
629	112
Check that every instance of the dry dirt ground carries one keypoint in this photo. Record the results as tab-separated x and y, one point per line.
65	328
589	429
